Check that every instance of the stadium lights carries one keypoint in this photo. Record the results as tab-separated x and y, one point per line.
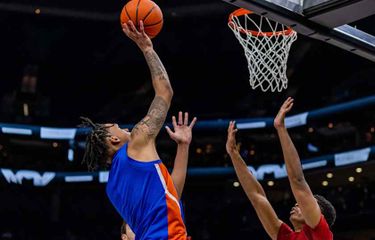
311	130
236	184
351	179
329	175
325	183
358	170
37	11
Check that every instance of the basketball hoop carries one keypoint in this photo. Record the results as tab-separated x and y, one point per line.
266	46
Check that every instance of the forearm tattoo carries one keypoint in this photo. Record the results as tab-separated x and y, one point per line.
150	125
157	69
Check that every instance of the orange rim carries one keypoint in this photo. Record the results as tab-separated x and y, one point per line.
242	12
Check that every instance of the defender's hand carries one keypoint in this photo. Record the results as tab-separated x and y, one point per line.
182	131
139	37
279	121
231	145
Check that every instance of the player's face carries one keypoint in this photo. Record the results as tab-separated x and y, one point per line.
118	134
296	214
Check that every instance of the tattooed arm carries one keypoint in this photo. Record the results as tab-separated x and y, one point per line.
149	127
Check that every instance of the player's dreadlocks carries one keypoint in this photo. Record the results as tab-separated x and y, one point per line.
96	152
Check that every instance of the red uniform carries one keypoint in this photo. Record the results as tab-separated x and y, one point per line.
320	232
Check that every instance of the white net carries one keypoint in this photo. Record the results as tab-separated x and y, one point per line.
266	52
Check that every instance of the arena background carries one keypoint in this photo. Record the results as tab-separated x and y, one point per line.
87	67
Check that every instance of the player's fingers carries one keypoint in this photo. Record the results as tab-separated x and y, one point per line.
289	107
132	27
169	131
232	127
290	100
174	123
193	122
186	119
290	103
125	29
180	121
141	27
229	126
130	32
124	26
286	101
233	134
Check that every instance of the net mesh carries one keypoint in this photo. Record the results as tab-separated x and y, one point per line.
266	52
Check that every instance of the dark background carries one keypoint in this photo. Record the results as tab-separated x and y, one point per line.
88	67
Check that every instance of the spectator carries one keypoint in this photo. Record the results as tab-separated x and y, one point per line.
26	104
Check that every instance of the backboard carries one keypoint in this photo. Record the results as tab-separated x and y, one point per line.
325	20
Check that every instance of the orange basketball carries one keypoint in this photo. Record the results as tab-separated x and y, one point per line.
145	10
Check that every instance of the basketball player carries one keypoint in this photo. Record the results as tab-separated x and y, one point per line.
139	185
180	166
311	217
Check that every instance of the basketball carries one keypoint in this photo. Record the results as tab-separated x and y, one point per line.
145	10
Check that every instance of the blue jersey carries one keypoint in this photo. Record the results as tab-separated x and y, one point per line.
144	195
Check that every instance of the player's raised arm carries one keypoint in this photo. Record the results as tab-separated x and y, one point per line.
149	127
182	135
301	190
252	187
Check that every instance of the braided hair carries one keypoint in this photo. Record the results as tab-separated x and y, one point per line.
96	152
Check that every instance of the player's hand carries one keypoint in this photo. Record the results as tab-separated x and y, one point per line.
231	144
138	36
279	121
182	133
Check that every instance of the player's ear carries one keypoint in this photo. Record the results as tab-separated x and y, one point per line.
114	140
124	237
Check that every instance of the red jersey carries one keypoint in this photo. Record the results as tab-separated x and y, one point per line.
320	232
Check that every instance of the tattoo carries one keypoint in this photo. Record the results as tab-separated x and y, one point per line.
152	123
156	66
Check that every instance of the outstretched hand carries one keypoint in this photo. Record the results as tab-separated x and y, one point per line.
231	145
139	37
279	121
182	133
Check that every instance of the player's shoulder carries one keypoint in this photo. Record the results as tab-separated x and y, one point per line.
322	230
285	232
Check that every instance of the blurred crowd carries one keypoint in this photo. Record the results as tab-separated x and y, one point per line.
26	104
